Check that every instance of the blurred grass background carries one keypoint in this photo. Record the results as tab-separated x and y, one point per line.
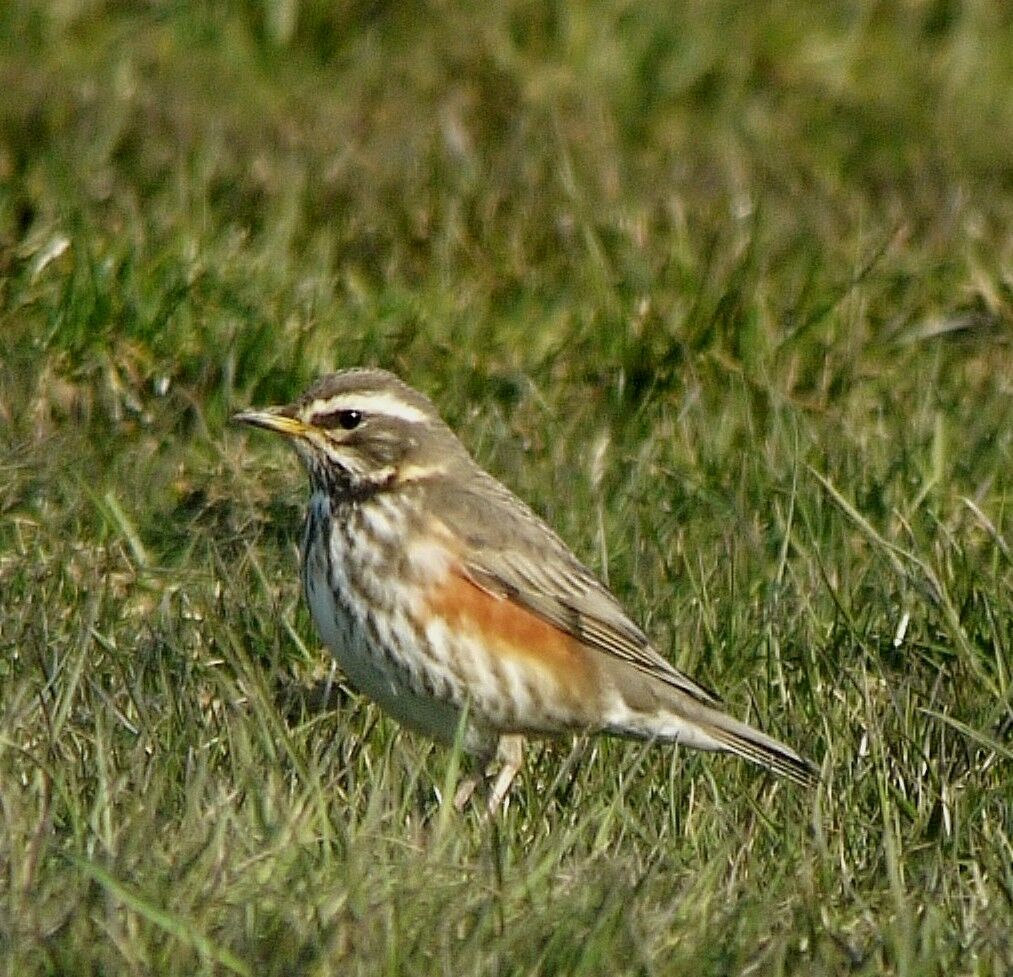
724	290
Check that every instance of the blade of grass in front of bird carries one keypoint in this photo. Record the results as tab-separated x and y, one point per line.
164	920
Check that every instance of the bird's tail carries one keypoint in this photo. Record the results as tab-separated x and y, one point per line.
682	719
743	740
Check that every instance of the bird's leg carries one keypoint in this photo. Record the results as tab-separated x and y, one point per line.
510	751
465	789
476	766
510	754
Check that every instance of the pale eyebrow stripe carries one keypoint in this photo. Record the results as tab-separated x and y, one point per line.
374	403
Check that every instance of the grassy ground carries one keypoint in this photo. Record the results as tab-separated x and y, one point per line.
724	290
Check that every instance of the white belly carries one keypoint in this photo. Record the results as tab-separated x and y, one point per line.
374	647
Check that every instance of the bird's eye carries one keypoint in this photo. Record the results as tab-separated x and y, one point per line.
349	419
345	417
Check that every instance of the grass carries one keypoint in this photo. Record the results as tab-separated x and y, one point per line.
723	291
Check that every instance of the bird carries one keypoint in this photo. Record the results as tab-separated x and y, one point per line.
447	601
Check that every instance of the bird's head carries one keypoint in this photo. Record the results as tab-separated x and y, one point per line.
363	430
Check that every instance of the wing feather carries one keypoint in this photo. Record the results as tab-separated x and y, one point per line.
511	554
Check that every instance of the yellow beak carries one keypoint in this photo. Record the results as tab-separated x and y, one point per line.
272	419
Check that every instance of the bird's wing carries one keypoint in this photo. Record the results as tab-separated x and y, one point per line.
512	555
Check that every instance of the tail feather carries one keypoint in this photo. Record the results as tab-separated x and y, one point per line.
649	709
682	720
750	744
